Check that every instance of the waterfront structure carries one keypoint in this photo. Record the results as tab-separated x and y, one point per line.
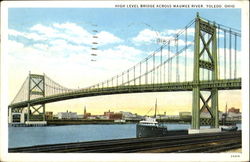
185	115
233	116
67	115
234	110
130	116
113	115
49	115
86	114
102	117
152	75
80	116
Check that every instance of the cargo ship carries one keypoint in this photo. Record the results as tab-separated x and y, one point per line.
149	127
225	126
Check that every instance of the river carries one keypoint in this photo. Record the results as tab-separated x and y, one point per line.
30	136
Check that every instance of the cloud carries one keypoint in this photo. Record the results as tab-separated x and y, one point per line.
107	38
41	29
173	32
32	36
69	32
145	36
148	36
59	57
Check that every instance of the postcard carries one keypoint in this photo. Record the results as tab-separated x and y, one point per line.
125	81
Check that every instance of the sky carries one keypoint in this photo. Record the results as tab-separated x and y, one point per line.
59	42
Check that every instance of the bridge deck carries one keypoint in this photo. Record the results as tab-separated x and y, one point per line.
163	87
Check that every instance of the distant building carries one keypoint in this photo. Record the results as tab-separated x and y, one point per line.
102	117
49	115
112	115
108	114
80	116
234	116
91	117
116	116
67	115
184	115
128	115
86	115
234	110
16	117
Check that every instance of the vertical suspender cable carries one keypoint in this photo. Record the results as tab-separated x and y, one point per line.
218	50
168	61
203	58
230	55
208	72
177	60
140	75
186	53
161	64
157	75
122	77
235	56
128	76
164	74
134	75
146	75
116	81
153	69
170	74
225	57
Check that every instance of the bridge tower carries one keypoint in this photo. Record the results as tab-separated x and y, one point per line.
36	89
202	47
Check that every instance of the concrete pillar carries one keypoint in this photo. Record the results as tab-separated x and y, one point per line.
22	117
28	113
196	108
44	112
10	115
215	110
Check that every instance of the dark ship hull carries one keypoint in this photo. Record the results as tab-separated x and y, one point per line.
229	128
156	131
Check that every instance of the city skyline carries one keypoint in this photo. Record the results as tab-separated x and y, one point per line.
63	46
118	111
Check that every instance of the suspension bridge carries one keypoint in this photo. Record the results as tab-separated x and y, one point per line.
214	50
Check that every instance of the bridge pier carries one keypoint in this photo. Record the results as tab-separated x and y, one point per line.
10	115
28	115
196	108
215	111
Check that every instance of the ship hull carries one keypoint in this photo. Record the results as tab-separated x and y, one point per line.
156	131
229	128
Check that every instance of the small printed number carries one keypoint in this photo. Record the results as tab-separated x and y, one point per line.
235	156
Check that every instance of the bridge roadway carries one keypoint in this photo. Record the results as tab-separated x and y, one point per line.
207	142
225	84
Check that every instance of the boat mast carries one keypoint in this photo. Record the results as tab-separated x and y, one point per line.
155	107
226	108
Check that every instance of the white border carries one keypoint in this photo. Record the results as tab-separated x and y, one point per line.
4	156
